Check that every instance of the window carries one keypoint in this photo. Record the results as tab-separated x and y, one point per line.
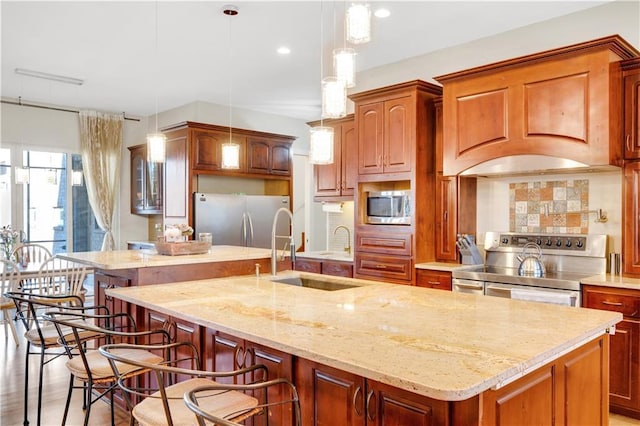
49	202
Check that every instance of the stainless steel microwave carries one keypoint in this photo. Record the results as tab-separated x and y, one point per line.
389	207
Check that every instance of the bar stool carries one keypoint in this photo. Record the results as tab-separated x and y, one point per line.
9	281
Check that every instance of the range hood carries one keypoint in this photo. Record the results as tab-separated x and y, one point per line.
517	165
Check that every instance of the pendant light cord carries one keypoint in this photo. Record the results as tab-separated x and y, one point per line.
230	75
321	60
157	63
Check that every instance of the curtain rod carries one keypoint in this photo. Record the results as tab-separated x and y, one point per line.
20	102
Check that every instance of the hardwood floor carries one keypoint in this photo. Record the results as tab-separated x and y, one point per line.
56	381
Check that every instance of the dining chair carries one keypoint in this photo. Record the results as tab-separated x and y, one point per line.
88	366
61	277
163	400
199	400
31	253
9	280
41	336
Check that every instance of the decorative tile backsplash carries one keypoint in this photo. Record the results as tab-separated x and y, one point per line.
558	206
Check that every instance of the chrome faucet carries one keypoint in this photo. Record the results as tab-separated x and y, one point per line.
348	247
292	244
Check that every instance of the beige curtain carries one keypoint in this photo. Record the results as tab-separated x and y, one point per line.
101	142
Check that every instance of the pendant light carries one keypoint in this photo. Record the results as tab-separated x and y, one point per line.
321	137
334	92
156	141
344	65
230	150
358	23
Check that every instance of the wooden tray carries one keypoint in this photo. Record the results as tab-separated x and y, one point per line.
182	247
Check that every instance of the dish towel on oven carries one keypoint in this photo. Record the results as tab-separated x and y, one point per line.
542	296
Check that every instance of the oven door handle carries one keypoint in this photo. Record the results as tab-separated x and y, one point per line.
470	286
490	287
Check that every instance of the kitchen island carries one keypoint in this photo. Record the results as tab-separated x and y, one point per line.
382	351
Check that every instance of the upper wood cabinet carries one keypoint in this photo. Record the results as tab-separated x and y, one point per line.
270	156
146	183
337	181
195	149
207	149
563	103
631	90
391	124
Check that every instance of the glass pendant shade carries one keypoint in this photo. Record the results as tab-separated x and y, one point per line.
230	156
344	65
358	24
321	145
334	98
156	147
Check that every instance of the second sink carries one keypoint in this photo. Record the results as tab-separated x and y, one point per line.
314	283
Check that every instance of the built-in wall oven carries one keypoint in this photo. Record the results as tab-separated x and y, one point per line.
567	259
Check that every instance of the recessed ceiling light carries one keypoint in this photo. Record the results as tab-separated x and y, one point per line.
382	13
284	50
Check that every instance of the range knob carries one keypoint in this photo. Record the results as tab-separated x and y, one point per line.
505	240
579	244
539	241
559	243
548	242
568	244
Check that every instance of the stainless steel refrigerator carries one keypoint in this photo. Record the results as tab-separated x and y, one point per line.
239	220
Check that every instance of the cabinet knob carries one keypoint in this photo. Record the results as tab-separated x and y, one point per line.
626	142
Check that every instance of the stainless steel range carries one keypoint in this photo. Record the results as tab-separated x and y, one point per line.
567	258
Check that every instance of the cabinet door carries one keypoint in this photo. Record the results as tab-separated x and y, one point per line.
370	138
632	114
207	149
631	219
398	135
177	180
446	213
433	279
146	183
386	405
279	365
329	396
228	355
308	265
337	269
280	159
258	156
624	370
349	164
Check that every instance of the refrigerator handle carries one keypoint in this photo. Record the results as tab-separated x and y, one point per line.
243	229
250	238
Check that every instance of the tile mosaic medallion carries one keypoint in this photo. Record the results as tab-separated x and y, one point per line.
552	207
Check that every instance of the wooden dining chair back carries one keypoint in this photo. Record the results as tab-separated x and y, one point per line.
41	336
88	366
61	277
9	281
163	404
31	253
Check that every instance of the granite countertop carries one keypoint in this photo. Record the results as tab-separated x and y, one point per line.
608	280
341	256
444	345
123	259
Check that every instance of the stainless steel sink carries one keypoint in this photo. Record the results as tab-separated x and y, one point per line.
314	283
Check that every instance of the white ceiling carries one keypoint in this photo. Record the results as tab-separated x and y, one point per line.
204	55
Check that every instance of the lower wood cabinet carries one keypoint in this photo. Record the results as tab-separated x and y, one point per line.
384	255
631	219
433	279
624	354
326	267
223	352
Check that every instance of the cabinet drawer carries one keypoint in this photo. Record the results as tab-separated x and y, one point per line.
307	265
338	269
397	268
370	242
612	300
433	279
